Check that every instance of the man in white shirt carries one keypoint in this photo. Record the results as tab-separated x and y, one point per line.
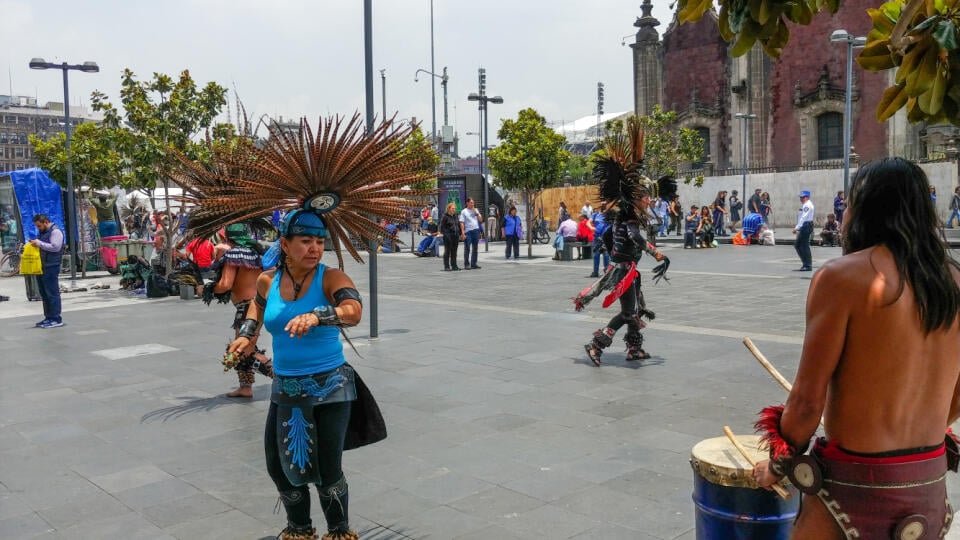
470	231
804	230
587	210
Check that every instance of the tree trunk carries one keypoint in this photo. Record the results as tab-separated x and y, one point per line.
529	220
82	255
168	230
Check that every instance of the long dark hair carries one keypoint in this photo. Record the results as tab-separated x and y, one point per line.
890	204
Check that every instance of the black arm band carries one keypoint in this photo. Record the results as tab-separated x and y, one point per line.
346	293
248	328
261	301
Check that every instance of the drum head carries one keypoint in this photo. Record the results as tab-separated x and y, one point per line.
719	462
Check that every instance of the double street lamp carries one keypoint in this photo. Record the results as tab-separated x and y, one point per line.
745	118
853	42
483	100
87	67
444	79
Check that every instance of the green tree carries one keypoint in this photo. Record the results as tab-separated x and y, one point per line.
530	157
578	168
96	163
665	146
160	116
426	157
917	38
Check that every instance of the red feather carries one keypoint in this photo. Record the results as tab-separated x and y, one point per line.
768	426
622	286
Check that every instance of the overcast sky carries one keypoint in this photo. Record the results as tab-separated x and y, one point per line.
305	57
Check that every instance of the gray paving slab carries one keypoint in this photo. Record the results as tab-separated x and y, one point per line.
115	426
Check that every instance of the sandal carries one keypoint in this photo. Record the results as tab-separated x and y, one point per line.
636	355
593	354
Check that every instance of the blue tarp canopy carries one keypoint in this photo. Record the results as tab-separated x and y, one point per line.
37	193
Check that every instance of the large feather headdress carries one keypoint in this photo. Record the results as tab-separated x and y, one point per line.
348	177
619	172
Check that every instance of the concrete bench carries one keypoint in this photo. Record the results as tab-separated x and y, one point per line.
584	251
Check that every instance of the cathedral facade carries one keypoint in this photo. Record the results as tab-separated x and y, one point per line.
774	114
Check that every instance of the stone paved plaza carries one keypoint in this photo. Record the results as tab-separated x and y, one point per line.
113	427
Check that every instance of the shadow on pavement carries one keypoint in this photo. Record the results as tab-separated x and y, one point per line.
193	405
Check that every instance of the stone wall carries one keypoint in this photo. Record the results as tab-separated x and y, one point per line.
794	130
823	185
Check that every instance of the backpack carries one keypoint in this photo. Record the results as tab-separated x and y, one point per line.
157	286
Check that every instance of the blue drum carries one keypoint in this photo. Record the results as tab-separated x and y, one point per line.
729	504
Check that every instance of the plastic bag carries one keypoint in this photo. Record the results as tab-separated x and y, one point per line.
30	261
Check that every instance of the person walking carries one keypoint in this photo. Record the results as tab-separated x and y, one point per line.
50	242
736	207
954	208
719	211
450	230
512	231
470	231
879	369
804	230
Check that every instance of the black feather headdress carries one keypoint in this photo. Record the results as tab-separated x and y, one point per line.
348	177
619	172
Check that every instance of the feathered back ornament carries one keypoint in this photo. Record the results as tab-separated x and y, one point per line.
346	176
619	173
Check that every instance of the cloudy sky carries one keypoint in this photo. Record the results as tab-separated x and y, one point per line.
305	57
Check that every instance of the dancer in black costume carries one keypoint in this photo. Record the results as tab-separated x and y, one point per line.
621	182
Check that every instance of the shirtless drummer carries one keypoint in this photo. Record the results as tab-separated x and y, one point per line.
881	363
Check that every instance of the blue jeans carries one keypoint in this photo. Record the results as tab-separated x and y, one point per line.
50	292
954	214
470	248
596	258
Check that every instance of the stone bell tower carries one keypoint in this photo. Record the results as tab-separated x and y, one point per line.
647	63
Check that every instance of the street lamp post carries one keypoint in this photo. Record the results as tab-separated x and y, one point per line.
383	92
444	79
483	99
842	36
433	83
87	67
745	118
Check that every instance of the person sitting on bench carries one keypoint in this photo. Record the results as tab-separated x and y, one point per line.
566	232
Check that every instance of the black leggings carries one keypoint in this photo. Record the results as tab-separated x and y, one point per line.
450	252
630	304
331	420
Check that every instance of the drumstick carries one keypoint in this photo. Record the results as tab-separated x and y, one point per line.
767	365
743	451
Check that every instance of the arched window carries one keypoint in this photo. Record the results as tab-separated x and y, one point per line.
704	134
830	136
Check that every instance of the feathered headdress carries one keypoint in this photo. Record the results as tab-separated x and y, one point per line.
349	178
619	173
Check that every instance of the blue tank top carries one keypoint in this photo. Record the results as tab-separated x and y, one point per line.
319	350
